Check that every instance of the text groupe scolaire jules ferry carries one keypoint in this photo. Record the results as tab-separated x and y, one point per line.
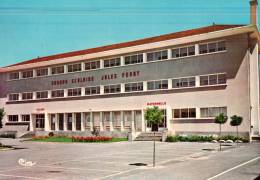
125	74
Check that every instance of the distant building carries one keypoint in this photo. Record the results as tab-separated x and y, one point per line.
191	75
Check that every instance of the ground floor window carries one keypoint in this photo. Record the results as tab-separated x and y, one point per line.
78	121
61	121
184	113
39	120
26	117
52	123
69	122
213	111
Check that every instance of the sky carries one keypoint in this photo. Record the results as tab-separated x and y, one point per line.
37	28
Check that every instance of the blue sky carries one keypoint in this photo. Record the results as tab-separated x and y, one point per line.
32	28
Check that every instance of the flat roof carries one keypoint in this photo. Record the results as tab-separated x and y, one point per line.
175	35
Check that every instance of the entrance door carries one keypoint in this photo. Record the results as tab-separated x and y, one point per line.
155	127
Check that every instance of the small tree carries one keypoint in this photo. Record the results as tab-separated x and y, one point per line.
2	114
153	116
220	119
236	121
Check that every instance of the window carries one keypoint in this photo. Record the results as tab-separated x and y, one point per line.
184	113
14	75
92	65
42	95
183	82
57	70
212	47
112	89
27	74
212	79
221	46
130	87
27	96
39	120
13	97
74	67
57	93
133	59
74	92
13	118
212	111
26	117
203	48
161	84
42	72
184	51
92	90
112	62
159	55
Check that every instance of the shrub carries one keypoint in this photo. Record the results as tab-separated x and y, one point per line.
196	138
51	134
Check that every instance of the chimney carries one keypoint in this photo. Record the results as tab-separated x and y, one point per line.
254	12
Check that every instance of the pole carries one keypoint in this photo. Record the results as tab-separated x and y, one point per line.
220	137
237	135
153	149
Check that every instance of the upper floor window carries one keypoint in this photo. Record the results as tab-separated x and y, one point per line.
74	92
13	97
161	84
213	79
133	59
112	89
57	70
212	47
27	74
184	51
212	111
92	90
130	87
184	113
112	62
14	75
13	118
92	65
57	93
42	95
42	72
183	82
74	67
27	96
159	55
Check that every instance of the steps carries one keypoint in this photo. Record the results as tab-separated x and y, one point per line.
27	134
150	136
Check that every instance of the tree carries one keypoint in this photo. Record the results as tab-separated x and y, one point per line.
153	115
220	119
236	121
2	114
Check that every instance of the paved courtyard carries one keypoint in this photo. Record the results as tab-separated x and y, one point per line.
120	161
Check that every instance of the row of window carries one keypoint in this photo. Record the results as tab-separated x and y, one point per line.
131	59
205	80
208	112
